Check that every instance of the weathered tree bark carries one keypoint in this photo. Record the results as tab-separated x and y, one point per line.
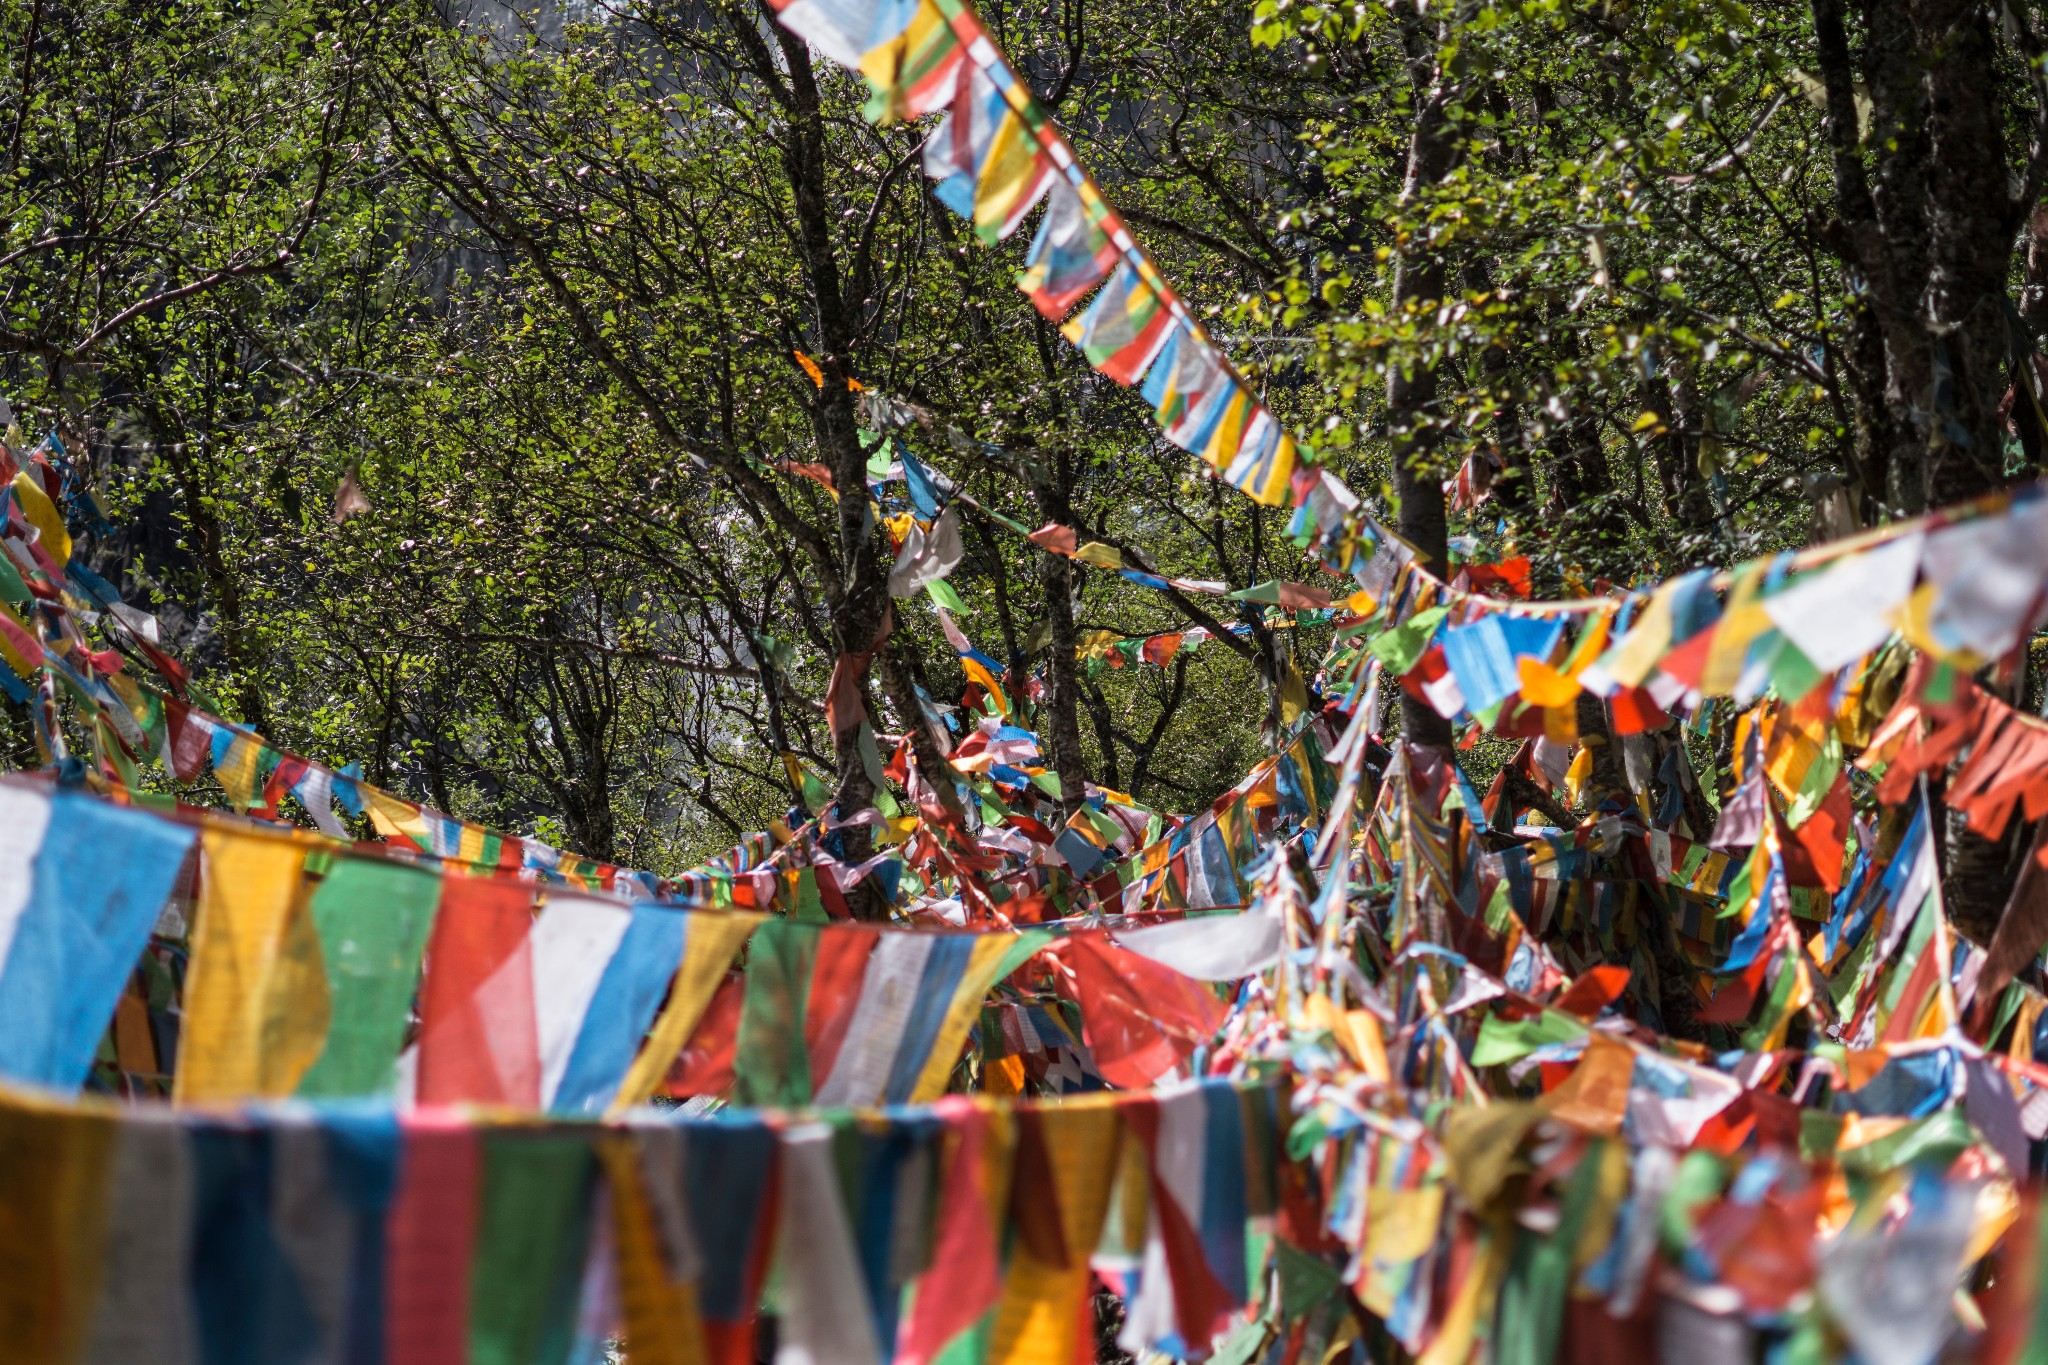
1411	393
1514	486
1926	222
863	586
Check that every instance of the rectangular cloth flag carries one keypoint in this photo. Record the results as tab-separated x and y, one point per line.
81	885
373	917
257	1005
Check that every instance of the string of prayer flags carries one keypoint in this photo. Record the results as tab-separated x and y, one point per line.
1519	1116
993	157
997	153
963	1231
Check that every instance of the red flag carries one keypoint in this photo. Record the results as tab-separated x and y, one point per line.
191	740
431	1235
1061	540
479	1039
1593	991
1139	1018
837	971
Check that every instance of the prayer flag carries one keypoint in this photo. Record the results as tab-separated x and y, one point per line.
1124	328
1071	253
81	884
257	1004
478	1039
373	917
1141	1019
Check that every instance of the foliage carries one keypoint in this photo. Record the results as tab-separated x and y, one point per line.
535	283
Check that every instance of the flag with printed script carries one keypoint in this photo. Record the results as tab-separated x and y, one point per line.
81	885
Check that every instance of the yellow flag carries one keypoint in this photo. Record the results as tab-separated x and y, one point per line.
1640	651
1543	685
1100	555
1744	620
238	771
396	819
21	666
1009	176
257	1006
663	1326
43	515
53	1203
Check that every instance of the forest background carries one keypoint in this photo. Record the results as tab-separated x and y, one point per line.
466	388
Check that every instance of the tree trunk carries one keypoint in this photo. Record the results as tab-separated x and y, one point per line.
1674	396
1411	393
